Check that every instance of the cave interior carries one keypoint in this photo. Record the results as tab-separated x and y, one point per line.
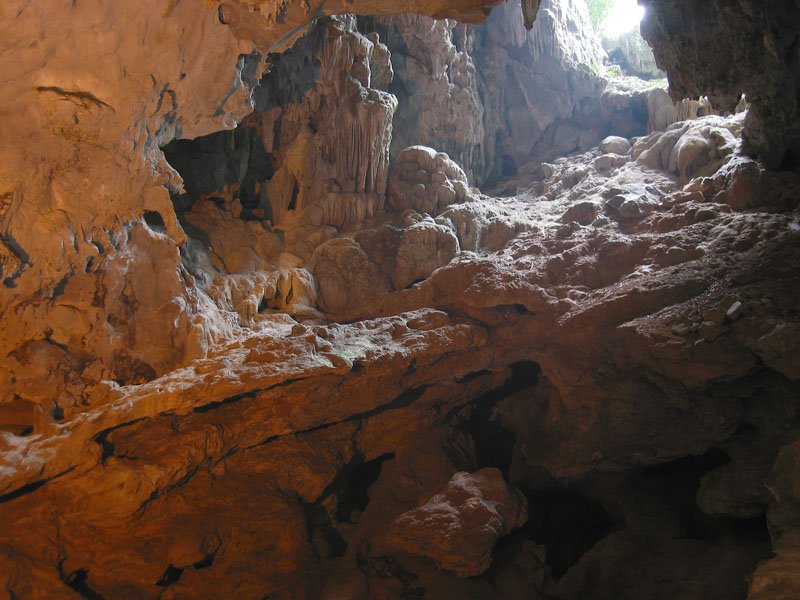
481	299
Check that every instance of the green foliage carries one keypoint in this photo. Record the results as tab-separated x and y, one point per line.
599	9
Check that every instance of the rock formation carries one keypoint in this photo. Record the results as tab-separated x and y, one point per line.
727	49
631	52
496	97
292	360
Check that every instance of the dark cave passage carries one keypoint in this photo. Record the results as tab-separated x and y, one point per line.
494	443
354	498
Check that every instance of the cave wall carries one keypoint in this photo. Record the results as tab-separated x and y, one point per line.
496	97
82	164
726	48
613	351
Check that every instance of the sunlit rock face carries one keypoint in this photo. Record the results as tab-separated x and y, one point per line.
314	371
496	97
723	49
632	53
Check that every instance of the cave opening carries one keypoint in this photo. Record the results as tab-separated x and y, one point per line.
79	582
354	498
494	442
676	484
155	221
568	524
325	539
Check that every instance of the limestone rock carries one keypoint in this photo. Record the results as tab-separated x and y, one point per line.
615	145
482	226
689	149
231	393
423	248
608	162
675	31
463	87
428	181
458	526
345	276
235	245
632	53
439	102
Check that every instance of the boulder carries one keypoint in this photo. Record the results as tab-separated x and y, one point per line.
458	526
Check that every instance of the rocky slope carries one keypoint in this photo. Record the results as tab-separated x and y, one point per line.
321	371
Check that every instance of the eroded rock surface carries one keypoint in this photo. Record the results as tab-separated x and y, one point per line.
458	527
270	387
752	52
597	318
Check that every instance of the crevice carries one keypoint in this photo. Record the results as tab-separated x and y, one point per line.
355	495
203	408
78	581
29	488
568	524
170	576
675	483
326	541
102	438
58	290
401	401
239	397
155	221
84	98
494	443
159	492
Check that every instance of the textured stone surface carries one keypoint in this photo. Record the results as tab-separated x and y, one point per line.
458	526
427	181
497	97
82	165
723	49
583	320
630	51
243	395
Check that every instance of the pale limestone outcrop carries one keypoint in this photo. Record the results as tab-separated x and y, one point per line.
331	145
630	51
484	226
424	247
440	104
346	277
615	145
498	97
535	84
663	112
426	180
754	56
690	149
